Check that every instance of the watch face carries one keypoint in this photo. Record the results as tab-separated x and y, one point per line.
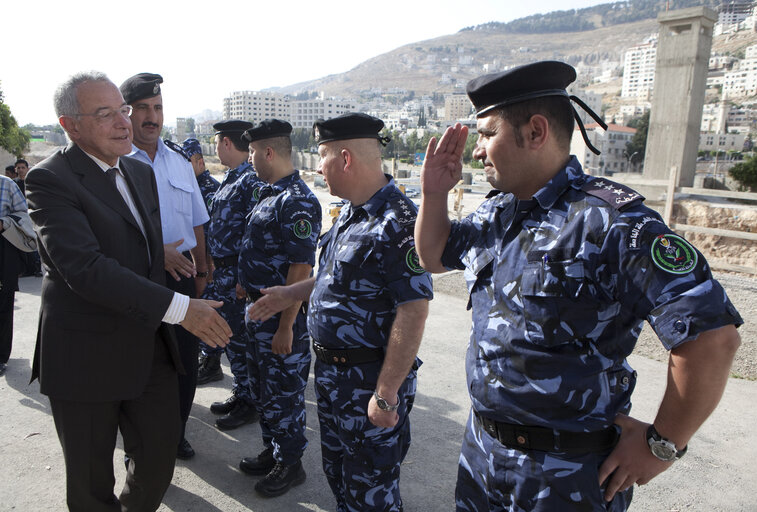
662	451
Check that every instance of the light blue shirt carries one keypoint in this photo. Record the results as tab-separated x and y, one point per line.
181	204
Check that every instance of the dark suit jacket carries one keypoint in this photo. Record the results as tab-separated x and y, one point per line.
103	298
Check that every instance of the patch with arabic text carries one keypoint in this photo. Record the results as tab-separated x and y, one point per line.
413	262
302	228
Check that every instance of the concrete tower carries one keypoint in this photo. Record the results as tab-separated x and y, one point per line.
683	53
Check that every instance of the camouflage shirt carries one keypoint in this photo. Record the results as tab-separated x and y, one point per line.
232	203
560	285
283	229
367	267
208	186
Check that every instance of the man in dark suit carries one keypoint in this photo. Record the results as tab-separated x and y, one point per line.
105	356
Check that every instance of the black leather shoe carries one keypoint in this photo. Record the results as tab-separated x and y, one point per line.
224	407
184	451
260	465
210	369
280	479
241	414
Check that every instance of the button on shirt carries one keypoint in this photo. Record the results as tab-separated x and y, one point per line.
367	267
559	287
181	204
231	207
282	230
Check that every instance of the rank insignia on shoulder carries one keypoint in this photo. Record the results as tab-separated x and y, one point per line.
673	254
616	195
178	149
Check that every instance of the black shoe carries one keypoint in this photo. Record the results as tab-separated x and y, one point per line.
241	414
3	367
280	479
224	407
184	451
210	369
260	465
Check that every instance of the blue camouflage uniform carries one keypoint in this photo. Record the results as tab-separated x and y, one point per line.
282	230
367	267
208	187
230	207
559	286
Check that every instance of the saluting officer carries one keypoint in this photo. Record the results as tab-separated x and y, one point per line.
231	205
278	248
366	315
562	269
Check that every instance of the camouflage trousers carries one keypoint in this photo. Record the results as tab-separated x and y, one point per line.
492	477
277	383
223	288
361	461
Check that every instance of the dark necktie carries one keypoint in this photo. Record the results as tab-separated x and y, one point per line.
112	172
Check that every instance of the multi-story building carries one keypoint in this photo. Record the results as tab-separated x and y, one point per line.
457	106
721	142
305	113
638	69
734	12
611	144
254	106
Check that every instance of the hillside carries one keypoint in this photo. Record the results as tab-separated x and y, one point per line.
446	63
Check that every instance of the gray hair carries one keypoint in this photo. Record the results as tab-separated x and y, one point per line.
65	99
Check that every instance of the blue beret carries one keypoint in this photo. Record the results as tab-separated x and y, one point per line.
354	125
140	86
191	147
232	127
267	129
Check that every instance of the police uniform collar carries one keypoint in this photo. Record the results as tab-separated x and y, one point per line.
374	203
282	183
569	175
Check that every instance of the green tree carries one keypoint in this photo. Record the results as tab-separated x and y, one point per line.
746	174
13	138
638	143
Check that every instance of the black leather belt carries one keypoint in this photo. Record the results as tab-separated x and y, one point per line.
349	356
226	261
548	440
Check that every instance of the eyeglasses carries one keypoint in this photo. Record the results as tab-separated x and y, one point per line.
108	115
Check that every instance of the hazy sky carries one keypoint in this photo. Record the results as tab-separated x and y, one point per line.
206	50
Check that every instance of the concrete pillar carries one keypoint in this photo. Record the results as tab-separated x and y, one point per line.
683	54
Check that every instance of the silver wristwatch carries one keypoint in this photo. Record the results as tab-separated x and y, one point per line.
383	405
662	448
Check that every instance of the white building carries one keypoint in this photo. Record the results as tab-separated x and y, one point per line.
255	106
721	142
638	69
611	144
457	106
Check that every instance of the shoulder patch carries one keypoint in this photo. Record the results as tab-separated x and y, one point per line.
634	237
404	209
673	254
616	195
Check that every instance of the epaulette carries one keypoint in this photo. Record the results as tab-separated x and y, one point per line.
401	204
616	195
171	144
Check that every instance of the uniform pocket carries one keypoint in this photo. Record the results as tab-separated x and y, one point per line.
551	307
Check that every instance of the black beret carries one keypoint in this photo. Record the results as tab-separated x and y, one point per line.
267	129
232	127
522	83
140	86
354	125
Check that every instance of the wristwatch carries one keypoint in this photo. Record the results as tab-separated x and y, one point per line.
662	448
385	406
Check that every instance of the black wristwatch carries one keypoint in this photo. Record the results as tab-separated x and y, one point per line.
662	448
383	405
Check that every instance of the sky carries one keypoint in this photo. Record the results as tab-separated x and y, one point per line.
206	50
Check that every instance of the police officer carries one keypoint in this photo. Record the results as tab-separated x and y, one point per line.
366	315
562	270
230	207
182	216
278	248
207	183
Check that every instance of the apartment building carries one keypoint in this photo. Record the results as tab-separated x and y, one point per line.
611	144
638	70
